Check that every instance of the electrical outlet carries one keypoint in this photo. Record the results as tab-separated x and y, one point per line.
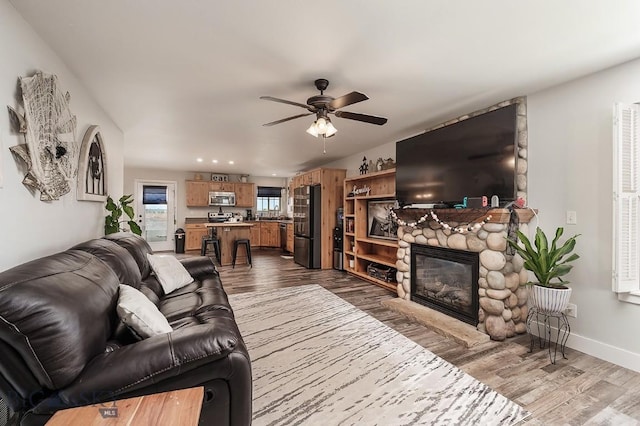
572	217
572	310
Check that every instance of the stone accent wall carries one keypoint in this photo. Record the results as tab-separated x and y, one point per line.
523	138
503	302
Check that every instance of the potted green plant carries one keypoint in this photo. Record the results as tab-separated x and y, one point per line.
113	222
548	263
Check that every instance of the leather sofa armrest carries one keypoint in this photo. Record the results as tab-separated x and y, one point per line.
153	360
199	266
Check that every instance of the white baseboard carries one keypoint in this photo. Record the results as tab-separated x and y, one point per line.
604	351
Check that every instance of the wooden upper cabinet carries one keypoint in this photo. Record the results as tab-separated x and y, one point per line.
221	186
245	194
197	193
316	177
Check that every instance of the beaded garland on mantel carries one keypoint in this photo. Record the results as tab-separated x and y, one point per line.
471	227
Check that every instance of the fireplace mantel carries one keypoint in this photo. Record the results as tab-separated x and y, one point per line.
498	215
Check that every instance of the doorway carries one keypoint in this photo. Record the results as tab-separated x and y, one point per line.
156	209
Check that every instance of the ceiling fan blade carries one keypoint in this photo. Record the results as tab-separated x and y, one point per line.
361	117
348	99
284	101
286	119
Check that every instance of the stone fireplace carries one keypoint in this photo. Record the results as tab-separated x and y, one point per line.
502	303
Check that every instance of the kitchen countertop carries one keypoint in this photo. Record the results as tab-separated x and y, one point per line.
195	220
225	224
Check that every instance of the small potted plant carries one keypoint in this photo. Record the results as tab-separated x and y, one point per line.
113	222
548	263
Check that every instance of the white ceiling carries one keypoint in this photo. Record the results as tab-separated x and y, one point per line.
182	78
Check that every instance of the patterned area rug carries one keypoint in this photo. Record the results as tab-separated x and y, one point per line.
318	360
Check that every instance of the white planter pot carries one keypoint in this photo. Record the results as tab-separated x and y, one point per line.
547	299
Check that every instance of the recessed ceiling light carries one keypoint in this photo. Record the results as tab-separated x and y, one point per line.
273	174
230	161
214	161
199	160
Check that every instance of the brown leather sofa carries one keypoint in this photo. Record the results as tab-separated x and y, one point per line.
62	345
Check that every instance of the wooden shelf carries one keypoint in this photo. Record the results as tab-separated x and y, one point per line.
378	259
389	286
349	234
378	241
350	215
349	253
372	197
372	175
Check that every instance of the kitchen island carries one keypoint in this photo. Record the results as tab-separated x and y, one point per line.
228	233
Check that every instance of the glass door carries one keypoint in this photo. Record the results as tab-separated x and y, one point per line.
156	213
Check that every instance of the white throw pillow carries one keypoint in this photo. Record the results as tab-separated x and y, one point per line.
138	313
171	274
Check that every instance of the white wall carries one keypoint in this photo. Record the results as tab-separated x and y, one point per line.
353	162
32	228
570	168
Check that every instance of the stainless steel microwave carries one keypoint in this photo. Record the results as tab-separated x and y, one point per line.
222	199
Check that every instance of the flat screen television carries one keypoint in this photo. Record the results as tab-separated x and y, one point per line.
470	158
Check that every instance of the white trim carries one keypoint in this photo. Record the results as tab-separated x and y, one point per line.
631	297
604	351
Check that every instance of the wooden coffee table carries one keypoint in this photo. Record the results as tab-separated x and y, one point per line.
181	407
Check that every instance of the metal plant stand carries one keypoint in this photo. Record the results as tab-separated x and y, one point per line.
544	322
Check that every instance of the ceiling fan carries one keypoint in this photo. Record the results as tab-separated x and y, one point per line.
322	105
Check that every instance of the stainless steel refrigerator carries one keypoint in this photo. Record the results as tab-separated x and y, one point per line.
307	201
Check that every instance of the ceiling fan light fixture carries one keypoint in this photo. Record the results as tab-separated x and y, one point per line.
331	130
321	125
312	130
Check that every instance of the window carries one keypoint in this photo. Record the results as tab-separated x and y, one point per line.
269	200
626	193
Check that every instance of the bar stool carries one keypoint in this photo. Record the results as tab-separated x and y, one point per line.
247	246
212	239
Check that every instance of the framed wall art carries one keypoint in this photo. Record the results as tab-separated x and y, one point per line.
379	221
92	168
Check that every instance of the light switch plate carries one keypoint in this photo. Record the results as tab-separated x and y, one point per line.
572	217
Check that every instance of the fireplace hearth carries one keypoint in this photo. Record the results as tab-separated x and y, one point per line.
446	279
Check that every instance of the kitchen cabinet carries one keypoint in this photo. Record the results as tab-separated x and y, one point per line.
255	235
245	194
197	193
194	233
316	176
289	246
269	234
221	186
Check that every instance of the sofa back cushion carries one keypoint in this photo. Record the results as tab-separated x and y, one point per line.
57	313
136	246
117	257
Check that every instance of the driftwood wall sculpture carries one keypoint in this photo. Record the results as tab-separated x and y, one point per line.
50	151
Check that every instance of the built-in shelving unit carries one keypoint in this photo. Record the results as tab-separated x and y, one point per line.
360	250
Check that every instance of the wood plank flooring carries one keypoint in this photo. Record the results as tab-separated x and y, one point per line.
576	391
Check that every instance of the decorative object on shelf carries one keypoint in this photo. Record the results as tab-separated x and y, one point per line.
360	191
380	223
92	167
379	164
382	273
388	164
216	177
113	222
471	227
364	167
547	263
50	151
197	176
